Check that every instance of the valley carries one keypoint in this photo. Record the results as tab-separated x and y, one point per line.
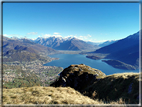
34	57
67	59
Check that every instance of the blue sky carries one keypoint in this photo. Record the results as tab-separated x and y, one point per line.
87	21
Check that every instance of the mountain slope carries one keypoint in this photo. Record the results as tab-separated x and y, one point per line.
129	55
124	86
125	50
120	44
106	43
21	56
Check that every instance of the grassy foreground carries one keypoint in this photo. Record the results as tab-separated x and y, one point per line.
49	95
45	95
121	88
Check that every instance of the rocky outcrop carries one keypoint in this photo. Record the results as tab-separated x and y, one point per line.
78	77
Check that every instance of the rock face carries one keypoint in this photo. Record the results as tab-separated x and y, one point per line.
78	77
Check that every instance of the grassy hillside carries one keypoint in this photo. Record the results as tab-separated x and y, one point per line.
49	95
123	86
95	84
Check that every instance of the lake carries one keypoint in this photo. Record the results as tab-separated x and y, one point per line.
66	60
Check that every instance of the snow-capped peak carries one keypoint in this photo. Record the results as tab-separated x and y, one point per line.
55	37
69	38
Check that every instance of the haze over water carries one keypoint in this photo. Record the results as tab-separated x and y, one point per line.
66	60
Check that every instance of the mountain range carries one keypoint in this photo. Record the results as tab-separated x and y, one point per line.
60	43
70	43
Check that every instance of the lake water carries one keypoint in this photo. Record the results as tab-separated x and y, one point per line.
66	60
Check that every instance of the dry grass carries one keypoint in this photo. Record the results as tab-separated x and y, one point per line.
117	88
50	95
45	95
125	75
